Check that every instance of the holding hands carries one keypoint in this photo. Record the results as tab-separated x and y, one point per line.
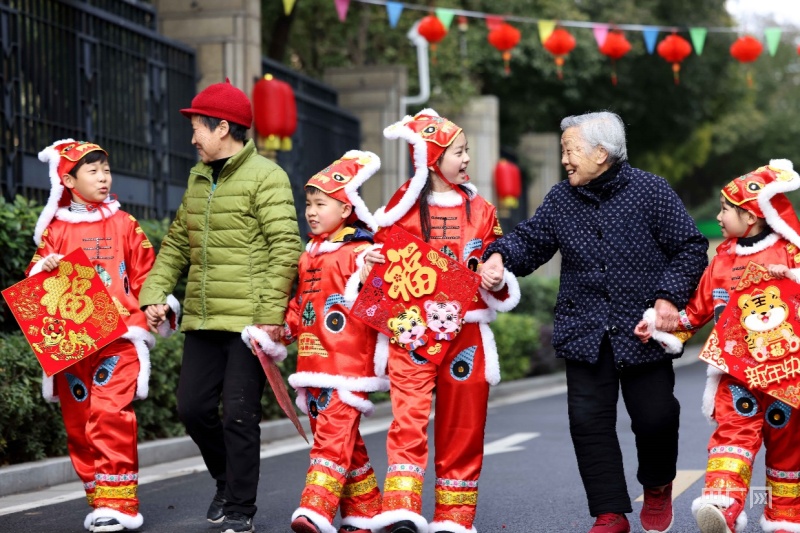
492	273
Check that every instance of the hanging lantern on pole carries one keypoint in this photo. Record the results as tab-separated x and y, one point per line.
746	49
615	46
504	37
507	183
274	113
560	44
432	29
674	49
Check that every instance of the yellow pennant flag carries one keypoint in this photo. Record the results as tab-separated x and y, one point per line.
546	27
288	6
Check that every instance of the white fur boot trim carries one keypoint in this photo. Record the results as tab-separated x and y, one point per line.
360	522
87	522
448	525
771	525
387	518
320	521
130	522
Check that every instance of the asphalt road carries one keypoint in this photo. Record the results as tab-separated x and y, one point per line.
530	480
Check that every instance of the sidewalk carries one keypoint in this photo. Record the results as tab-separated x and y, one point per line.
55	480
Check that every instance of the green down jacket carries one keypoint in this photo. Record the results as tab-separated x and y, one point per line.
240	241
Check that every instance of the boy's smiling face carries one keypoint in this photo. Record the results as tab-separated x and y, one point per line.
323	213
92	182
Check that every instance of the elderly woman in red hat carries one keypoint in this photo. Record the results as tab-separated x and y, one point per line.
236	231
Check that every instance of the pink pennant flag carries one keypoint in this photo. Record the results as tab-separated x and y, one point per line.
341	9
600	33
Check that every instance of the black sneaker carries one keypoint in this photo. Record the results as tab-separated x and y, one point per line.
215	513
106	523
404	526
237	523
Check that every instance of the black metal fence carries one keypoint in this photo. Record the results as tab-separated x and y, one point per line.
98	71
324	131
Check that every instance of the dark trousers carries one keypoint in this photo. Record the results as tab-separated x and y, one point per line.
592	394
218	364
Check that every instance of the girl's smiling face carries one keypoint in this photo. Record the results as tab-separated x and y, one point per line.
454	161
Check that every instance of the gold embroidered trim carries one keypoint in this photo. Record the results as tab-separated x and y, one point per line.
398	483
122	492
788	490
446	497
729	464
360	488
330	483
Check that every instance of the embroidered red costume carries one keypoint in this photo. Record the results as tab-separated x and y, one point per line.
335	359
96	394
471	364
745	418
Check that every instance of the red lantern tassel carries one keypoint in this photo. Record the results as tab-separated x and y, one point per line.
433	53
614	73
676	68
506	60
560	67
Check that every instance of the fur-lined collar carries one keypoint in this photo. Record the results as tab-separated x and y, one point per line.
72	217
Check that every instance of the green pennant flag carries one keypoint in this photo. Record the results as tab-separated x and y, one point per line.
773	36
698	36
445	16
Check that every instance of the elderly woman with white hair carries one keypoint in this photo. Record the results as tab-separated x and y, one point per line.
627	244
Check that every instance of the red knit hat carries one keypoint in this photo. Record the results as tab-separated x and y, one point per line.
222	101
61	156
342	178
761	192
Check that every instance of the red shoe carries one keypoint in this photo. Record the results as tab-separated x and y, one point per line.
657	515
611	523
302	524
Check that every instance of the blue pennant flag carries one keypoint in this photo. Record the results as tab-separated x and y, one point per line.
650	36
393	10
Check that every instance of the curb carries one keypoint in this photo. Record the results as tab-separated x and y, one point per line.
35	475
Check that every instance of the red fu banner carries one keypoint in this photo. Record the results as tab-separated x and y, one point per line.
418	297
755	339
66	314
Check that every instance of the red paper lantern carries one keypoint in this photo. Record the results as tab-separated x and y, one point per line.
275	113
674	49
560	44
504	37
746	50
615	46
507	183
432	29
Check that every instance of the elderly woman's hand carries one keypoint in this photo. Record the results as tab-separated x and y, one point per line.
492	273
667	315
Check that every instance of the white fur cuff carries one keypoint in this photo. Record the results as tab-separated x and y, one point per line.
668	341
276	352
170	325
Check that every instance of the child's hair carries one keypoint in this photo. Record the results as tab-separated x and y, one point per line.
739	209
92	157
311	190
237	131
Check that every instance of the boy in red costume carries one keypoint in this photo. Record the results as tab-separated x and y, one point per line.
335	360
439	206
96	393
759	224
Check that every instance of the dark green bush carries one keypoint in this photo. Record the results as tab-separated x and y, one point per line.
30	428
517	337
538	297
17	222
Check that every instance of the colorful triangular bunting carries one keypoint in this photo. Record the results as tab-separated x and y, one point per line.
698	36
650	38
445	16
341	9
393	11
288	6
600	33
546	28
773	38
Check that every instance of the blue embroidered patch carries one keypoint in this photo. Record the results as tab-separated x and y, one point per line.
76	387
778	414
103	373
462	365
743	401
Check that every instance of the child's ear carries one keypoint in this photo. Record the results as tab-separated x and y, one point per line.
346	210
69	181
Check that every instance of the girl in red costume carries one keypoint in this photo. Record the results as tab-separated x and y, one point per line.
759	225
96	393
439	205
335	360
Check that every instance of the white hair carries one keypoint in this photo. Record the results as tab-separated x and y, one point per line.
604	129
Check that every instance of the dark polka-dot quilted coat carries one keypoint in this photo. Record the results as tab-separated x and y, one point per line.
622	246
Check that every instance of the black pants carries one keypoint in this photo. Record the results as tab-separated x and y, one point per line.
217	363
592	394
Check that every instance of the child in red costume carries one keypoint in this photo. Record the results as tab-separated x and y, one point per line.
439	206
96	393
759	225
335	360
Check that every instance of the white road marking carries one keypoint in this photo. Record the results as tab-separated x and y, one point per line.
508	444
